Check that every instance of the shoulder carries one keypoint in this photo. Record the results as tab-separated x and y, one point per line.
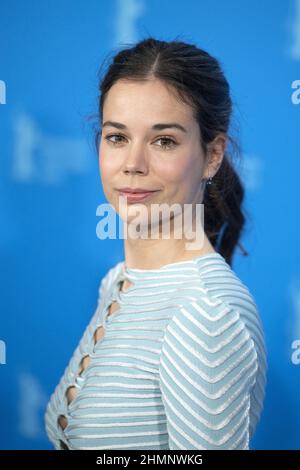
108	279
223	289
208	373
218	323
210	337
215	338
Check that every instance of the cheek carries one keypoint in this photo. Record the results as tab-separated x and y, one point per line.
107	177
177	171
183	177
106	167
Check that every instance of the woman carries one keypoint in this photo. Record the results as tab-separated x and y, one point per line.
174	356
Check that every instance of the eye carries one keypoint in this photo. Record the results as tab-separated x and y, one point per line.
170	142
113	135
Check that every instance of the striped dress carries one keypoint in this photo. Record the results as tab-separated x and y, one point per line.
180	365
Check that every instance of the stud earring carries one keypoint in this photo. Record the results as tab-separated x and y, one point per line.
209	180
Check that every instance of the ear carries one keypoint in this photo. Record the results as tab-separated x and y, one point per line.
215	154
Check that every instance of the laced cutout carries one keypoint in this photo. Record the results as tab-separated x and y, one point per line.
85	361
99	333
71	393
125	284
114	307
62	421
63	446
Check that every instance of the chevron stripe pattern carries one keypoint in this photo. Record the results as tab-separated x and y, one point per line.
181	364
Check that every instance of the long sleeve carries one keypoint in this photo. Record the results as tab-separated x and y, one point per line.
180	365
56	405
208	370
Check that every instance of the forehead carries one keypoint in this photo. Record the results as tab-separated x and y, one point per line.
149	100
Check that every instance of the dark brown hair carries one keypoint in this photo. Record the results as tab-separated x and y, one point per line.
197	79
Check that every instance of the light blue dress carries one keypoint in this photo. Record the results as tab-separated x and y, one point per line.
180	365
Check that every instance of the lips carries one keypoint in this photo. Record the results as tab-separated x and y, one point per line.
136	196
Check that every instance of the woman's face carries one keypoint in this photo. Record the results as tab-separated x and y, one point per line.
170	160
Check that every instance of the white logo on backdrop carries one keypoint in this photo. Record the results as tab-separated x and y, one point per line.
251	172
32	405
2	92
295	327
2	352
294	27
125	24
295	97
38	156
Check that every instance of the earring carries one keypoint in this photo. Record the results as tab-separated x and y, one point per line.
209	180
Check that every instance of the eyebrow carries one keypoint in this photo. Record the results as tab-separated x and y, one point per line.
157	127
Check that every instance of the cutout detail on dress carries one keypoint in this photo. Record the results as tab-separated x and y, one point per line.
63	446
62	421
85	361
99	334
71	393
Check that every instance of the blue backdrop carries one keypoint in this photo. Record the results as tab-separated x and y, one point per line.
51	259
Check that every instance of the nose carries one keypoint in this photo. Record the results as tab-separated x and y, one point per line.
135	161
